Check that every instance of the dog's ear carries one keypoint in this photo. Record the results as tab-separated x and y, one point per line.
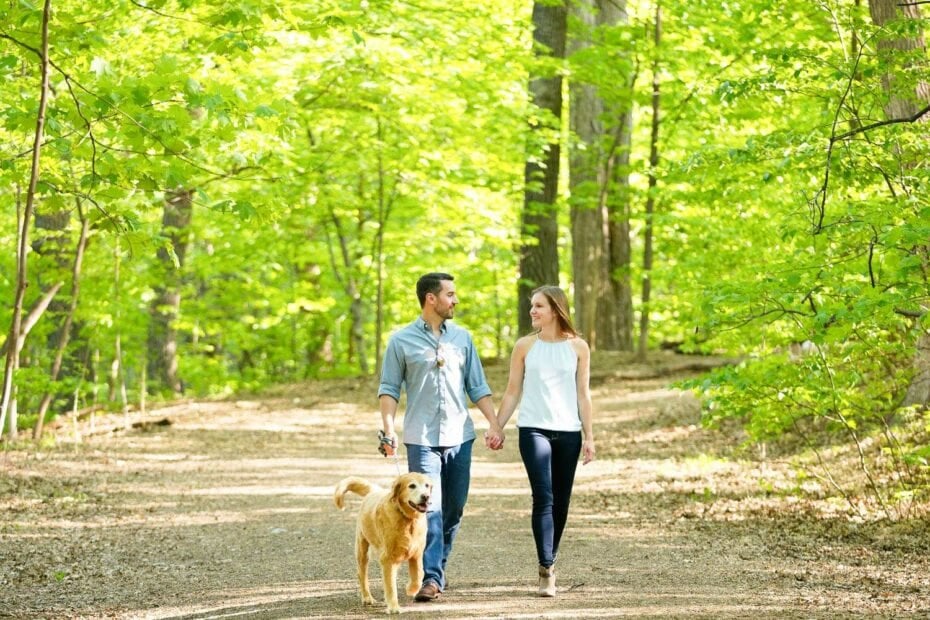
397	489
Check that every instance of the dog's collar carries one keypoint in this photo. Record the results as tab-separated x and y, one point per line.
400	509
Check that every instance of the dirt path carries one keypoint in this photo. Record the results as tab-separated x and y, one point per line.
227	512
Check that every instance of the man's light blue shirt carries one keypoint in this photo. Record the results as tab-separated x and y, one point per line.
438	374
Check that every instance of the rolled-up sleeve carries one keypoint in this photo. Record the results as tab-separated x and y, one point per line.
476	385
392	370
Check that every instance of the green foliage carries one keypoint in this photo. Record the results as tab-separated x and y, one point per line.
781	261
336	151
304	134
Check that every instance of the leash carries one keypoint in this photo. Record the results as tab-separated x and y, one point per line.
386	448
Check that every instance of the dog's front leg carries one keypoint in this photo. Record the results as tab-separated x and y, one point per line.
415	566
389	572
361	561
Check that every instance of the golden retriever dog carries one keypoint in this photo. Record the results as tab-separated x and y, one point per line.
394	523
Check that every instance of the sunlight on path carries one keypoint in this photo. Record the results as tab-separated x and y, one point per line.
224	509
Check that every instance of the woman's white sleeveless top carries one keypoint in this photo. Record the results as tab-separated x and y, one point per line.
550	392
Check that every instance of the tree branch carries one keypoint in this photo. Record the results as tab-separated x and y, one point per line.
15	339
210	25
33	317
891	121
819	202
34	50
911	314
821	208
170	151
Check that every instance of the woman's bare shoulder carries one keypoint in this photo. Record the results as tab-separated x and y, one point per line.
522	345
580	345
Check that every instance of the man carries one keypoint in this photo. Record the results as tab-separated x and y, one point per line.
439	364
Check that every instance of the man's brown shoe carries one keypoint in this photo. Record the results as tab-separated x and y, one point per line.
428	592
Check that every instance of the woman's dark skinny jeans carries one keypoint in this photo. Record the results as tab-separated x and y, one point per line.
550	458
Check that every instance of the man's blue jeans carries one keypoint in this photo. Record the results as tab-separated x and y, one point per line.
450	471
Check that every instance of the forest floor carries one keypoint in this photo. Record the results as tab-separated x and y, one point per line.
224	509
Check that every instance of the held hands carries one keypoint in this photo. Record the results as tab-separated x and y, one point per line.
494	438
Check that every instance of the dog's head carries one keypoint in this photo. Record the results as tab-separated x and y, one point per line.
412	492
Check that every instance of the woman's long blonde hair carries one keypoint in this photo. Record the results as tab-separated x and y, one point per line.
558	301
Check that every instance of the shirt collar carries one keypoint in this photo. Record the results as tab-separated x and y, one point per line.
425	326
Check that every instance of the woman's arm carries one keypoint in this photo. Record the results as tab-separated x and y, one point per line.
514	389
585	407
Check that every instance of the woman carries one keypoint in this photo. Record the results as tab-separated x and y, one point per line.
549	372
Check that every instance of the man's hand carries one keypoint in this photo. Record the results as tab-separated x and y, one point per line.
387	443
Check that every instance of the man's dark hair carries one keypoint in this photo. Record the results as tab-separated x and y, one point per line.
431	283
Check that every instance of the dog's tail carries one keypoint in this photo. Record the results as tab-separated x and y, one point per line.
358	486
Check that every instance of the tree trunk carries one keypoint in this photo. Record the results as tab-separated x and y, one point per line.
357	312
616	326
385	203
539	258
118	375
15	337
904	101
50	244
64	334
379	267
615	314
600	199
352	289
918	392
56	264
650	199
587	184
163	337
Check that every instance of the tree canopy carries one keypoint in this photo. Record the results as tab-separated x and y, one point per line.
262	184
